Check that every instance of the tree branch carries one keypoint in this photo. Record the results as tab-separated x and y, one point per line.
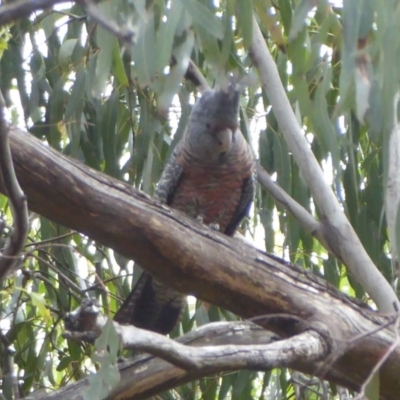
194	75
392	192
153	375
305	219
194	259
305	347
10	255
336	229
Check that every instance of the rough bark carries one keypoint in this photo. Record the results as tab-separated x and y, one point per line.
213	267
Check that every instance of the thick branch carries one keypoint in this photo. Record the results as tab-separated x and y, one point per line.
336	228
152	375
309	346
213	267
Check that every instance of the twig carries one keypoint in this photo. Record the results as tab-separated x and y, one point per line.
69	284
123	33
16	241
306	220
51	240
22	9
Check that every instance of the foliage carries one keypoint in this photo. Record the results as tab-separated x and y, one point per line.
121	109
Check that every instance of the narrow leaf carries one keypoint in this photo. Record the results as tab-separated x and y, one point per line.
299	16
203	17
244	17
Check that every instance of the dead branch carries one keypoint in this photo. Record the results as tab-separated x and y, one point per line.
87	321
153	375
10	255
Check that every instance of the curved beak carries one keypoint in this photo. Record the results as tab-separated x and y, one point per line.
225	137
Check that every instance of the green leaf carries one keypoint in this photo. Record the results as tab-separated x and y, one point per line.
299	51
211	47
118	67
397	228
351	25
39	301
241	389
372	390
244	17
368	9
374	116
173	80
64	363
166	35
331	271
108	121
201	315
227	44
104	60
76	99
107	344
55	112
147	171
285	7
5	36
203	17
145	52
65	54
363	87
106	355
299	16
324	128
226	386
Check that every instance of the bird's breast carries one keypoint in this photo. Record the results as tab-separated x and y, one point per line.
213	195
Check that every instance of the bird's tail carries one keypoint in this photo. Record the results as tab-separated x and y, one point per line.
152	306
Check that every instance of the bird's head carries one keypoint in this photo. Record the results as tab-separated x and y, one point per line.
213	123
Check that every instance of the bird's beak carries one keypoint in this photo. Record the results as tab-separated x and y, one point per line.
225	139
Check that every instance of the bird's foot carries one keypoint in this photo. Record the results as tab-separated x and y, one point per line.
82	324
200	218
214	226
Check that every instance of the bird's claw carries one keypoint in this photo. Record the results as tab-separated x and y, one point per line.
214	226
200	218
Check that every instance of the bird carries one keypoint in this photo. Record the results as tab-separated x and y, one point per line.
210	176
